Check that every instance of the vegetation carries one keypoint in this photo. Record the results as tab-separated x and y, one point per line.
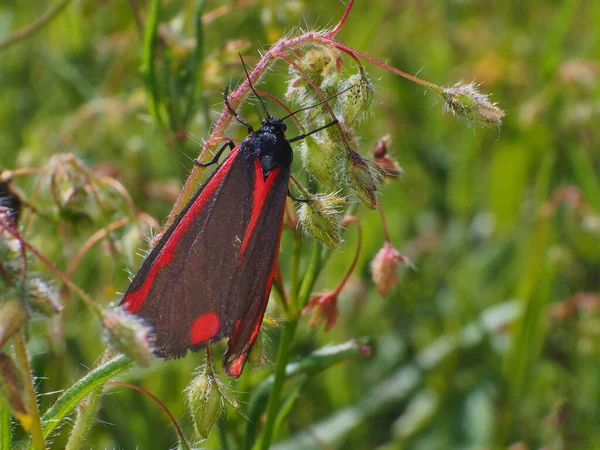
455	306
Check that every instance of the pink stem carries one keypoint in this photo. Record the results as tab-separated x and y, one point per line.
386	234
342	21
351	51
355	260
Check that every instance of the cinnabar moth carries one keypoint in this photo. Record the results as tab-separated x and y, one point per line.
209	277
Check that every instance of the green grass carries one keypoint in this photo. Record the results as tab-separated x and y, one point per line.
484	344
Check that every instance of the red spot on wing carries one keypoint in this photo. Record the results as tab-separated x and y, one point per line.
259	195
205	327
133	301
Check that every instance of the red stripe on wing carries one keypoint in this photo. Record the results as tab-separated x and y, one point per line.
133	301
259	195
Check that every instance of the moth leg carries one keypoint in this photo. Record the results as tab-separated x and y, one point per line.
215	158
302	136
235	114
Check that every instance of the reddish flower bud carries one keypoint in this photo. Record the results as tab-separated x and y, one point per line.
324	309
384	268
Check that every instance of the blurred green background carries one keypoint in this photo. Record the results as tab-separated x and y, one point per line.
491	341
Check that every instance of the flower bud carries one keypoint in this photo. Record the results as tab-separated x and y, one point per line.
257	355
324	309
11	388
356	101
321	157
384	268
204	402
468	103
12	318
320	217
380	154
43	298
128	334
364	178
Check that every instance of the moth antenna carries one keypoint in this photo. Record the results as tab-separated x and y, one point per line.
320	103
252	87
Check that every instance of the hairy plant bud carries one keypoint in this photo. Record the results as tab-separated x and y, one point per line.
356	101
321	157
324	309
318	64
204	402
466	102
384	268
320	217
12	318
364	178
128	334
43	298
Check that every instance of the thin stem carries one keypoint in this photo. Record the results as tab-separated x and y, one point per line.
65	279
386	233
381	64
37	437
283	354
162	406
93	239
320	93
342	21
34	27
136	16
86	411
5	425
356	255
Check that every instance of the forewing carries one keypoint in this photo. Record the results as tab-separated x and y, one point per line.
182	288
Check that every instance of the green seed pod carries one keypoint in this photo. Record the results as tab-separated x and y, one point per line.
364	178
127	334
204	402
321	157
318	64
473	106
320	217
356	101
43	298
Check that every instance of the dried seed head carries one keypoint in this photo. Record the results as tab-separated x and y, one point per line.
128	334
12	318
356	101
468	103
321	157
364	178
384	268
320	217
204	402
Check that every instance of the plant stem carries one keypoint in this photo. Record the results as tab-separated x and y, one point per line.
86	412
22	358
283	355
32	28
5	428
